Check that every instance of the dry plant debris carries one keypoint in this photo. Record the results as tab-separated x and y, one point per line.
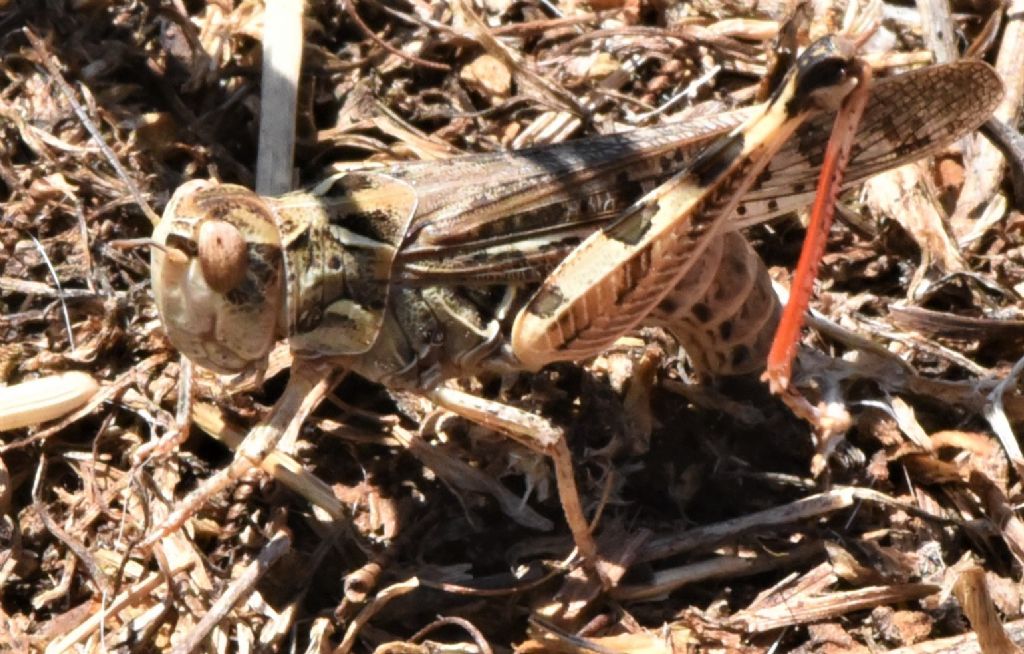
414	531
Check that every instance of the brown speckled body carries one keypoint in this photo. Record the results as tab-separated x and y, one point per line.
413	273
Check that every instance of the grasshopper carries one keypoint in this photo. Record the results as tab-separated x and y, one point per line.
416	273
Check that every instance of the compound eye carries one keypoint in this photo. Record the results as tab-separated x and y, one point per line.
223	255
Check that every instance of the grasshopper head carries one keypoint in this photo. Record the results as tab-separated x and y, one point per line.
217	275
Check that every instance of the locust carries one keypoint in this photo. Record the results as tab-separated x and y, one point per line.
417	273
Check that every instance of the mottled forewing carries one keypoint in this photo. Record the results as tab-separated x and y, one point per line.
908	117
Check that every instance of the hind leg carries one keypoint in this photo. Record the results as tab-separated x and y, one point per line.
724	311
